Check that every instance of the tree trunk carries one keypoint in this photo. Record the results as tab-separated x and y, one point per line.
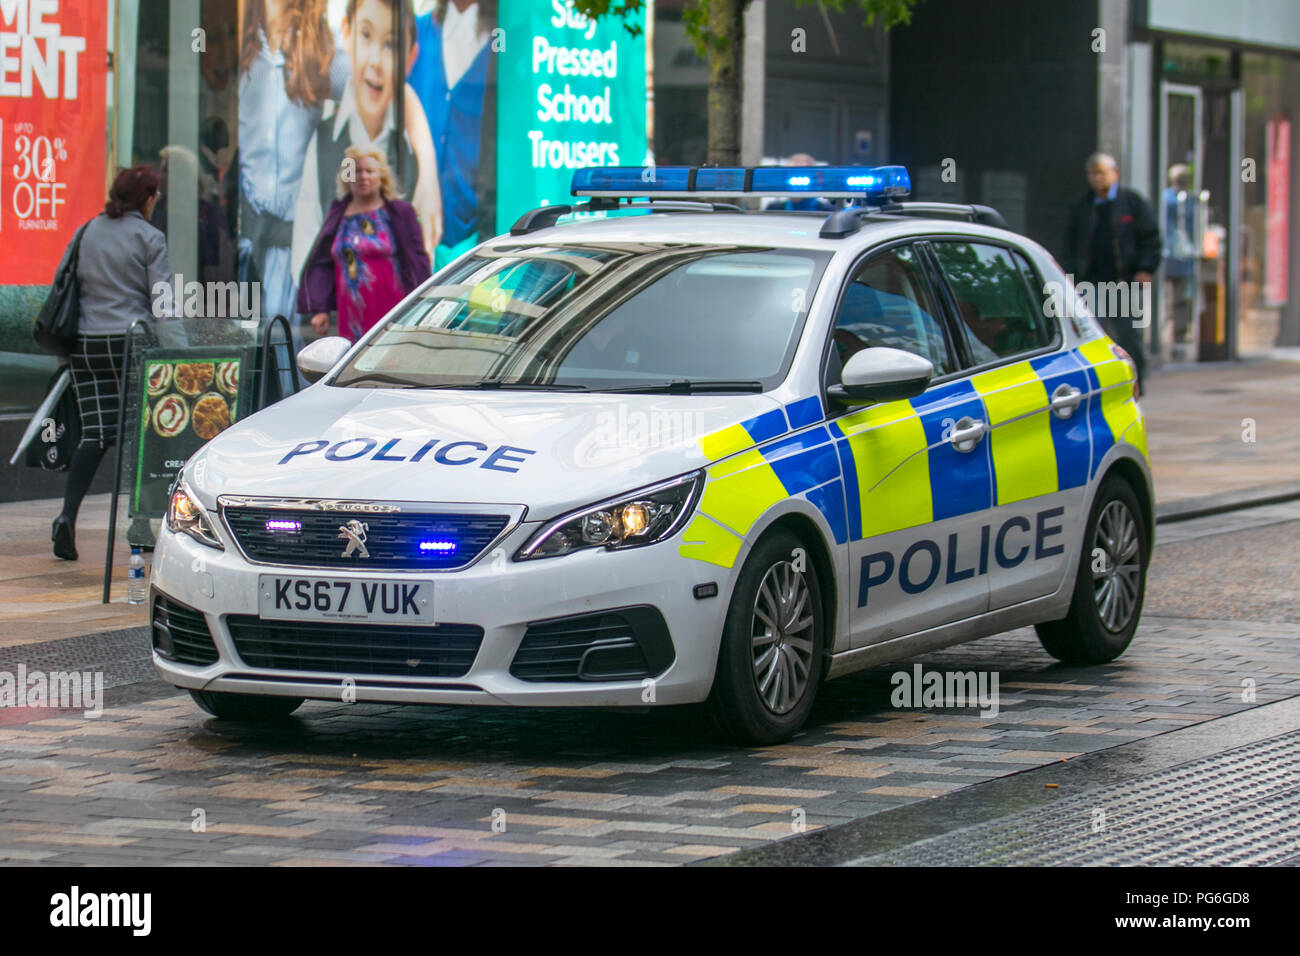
726	40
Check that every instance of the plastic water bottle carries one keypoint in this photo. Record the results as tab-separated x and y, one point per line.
136	584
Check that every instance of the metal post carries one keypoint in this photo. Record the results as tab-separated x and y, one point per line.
1236	202
117	463
269	361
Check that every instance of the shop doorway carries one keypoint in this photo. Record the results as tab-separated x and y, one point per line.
1200	160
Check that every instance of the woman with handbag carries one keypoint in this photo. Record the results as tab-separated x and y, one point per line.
119	258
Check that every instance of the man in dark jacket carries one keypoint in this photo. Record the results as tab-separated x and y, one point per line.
1113	236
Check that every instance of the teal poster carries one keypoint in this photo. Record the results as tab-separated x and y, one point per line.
571	93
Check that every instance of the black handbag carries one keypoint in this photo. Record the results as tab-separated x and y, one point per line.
56	323
53	446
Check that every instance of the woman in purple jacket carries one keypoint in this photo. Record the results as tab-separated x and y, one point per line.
370	252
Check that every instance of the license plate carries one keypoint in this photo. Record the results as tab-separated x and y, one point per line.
371	600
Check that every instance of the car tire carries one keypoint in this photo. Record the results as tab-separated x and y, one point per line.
771	659
1108	593
245	706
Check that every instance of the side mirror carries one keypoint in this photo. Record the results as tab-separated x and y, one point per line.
322	355
882	375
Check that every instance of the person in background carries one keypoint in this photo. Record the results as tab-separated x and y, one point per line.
370	253
1181	253
1112	236
121	258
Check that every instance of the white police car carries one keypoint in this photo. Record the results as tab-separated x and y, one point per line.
694	455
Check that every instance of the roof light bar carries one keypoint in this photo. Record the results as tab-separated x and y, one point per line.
705	182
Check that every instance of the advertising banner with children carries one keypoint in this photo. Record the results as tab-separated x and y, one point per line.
481	109
318	77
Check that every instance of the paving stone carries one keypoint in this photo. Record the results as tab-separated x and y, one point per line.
419	786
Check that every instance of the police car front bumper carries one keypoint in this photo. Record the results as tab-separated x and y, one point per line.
503	598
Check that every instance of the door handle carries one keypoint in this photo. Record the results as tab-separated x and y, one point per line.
1065	400
966	434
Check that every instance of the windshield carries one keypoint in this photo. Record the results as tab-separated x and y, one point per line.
618	316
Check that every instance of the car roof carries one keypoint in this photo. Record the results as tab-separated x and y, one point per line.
777	229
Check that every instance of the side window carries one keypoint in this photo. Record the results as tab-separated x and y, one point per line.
887	303
998	316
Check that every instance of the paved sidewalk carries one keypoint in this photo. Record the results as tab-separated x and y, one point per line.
43	598
1199	426
1195	418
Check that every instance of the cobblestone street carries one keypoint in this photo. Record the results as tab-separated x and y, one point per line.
425	785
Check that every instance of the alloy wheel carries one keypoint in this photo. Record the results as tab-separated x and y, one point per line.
782	637
1117	580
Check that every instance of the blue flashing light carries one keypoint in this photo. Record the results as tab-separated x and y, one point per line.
831	182
282	524
870	182
438	547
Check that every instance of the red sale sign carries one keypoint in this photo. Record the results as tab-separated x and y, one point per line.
52	135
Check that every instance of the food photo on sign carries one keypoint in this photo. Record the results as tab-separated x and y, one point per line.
189	398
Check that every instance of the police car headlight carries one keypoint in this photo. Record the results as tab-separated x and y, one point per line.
630	521
186	516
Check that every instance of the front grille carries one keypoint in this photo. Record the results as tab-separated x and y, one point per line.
629	643
391	540
181	633
447	650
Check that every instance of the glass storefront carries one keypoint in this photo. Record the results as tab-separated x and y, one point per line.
1272	89
1225	144
246	107
1198	116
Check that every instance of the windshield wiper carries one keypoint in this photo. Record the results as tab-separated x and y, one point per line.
382	378
495	384
689	387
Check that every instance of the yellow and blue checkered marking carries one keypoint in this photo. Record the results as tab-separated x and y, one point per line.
1113	414
806	464
892	466
1071	437
758	463
960	482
